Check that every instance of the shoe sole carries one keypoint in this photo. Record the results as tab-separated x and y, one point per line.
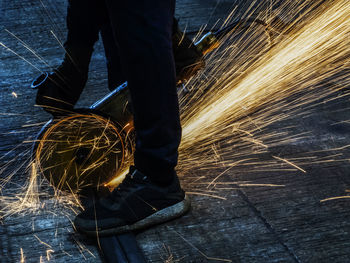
159	217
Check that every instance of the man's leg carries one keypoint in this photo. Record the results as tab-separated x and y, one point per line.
85	19
83	24
143	30
151	192
114	67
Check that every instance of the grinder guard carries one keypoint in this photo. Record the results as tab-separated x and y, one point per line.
89	147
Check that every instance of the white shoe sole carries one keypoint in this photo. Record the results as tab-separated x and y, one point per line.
158	217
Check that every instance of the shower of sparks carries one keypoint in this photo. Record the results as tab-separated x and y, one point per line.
248	86
243	95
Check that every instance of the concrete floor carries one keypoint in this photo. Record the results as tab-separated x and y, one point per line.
250	224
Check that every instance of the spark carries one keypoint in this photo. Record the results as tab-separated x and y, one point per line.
22	256
12	51
206	194
81	248
219	176
264	185
13	114
42	242
290	163
49	16
335	198
197	249
28	48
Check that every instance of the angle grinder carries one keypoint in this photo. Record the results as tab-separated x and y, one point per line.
94	147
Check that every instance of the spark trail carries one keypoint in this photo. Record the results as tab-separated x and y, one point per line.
294	68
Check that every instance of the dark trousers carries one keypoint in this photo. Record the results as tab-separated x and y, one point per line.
142	54
85	20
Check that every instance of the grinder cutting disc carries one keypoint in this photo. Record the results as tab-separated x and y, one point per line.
80	151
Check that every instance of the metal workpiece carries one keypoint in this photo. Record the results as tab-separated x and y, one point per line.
121	248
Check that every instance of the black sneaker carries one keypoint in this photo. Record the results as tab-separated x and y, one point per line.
136	204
